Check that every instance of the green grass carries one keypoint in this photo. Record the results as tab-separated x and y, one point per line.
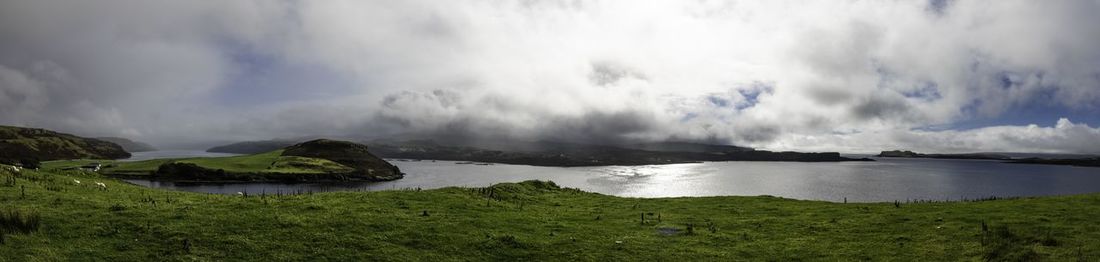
525	221
269	162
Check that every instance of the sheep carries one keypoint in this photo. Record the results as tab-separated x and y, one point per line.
101	185
76	181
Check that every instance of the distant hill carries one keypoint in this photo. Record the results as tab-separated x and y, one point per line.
18	144
253	147
567	154
687	147
129	145
911	154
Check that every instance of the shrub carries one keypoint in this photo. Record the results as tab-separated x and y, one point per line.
30	163
15	221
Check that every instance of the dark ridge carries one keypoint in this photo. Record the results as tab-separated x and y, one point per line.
252	147
19	145
1089	162
562	154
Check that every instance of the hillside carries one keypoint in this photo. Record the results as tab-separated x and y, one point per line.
348	154
18	144
129	145
60	220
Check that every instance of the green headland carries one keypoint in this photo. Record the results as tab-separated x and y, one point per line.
316	160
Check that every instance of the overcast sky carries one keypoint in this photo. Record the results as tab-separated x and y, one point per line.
849	76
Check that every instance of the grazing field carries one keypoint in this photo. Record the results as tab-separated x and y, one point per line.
47	216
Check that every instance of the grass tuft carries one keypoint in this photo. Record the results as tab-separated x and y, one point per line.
16	221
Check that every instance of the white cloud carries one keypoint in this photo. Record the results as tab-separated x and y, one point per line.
775	74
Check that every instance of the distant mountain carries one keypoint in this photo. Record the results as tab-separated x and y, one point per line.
253	147
18	144
687	147
129	145
567	154
911	154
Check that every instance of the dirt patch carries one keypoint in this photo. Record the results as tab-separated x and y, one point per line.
668	231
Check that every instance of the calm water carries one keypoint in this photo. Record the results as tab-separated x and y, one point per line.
884	180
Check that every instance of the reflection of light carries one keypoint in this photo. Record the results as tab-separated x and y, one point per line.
652	180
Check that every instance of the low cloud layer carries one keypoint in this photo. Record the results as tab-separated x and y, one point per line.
852	76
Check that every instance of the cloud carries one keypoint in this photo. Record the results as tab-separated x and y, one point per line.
772	74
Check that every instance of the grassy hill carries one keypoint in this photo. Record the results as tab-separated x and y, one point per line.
58	219
316	160
18	143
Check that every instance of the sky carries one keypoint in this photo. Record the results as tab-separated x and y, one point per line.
851	76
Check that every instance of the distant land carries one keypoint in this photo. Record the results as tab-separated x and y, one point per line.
1089	162
545	153
129	145
1046	159
911	154
19	145
253	147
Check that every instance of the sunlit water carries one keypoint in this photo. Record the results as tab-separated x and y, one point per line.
884	180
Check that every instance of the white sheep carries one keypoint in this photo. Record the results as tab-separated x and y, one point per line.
240	193
101	185
76	181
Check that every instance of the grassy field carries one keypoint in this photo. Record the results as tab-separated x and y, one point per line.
47	216
270	162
